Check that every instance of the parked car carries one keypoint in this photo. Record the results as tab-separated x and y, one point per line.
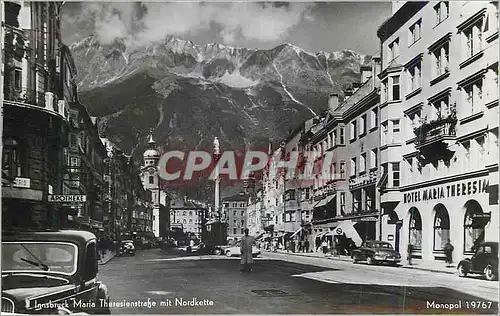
484	261
39	267
376	252
127	247
234	250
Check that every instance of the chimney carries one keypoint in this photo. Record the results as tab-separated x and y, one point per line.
333	101
347	93
366	72
377	68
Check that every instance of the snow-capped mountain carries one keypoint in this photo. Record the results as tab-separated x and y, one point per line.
188	94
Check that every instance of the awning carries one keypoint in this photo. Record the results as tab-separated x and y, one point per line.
347	228
321	234
324	201
298	230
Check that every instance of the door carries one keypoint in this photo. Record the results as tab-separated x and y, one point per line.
399	224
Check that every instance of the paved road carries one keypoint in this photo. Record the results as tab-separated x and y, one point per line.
285	285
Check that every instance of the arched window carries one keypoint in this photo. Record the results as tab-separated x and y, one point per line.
190	213
151	179
184	221
441	227
474	224
415	237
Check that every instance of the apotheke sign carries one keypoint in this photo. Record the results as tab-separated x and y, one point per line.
446	191
67	198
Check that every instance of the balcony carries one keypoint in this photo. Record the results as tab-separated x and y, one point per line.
439	130
364	180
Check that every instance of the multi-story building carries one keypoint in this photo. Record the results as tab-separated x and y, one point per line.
35	114
439	125
346	147
254	215
140	208
234	208
189	214
151	181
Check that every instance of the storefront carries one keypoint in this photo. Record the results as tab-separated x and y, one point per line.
428	216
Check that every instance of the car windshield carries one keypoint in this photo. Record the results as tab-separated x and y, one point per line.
39	256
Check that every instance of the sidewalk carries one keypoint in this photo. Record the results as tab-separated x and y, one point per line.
431	266
106	258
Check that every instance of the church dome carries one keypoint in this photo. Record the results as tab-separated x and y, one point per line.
151	153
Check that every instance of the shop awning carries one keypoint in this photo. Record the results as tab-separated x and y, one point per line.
346	228
324	201
321	234
298	230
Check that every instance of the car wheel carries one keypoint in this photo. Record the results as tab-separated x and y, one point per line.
228	253
489	273
370	260
355	259
217	252
462	271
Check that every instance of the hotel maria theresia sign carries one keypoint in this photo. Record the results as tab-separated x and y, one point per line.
464	188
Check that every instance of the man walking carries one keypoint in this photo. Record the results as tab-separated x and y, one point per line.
448	251
246	252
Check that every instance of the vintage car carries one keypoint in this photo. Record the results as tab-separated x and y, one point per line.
51	270
127	247
484	261
234	250
376	252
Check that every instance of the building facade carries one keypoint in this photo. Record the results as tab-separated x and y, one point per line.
192	216
35	114
235	210
439	124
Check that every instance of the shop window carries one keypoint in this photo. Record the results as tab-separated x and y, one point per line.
234	231
474	223
441	227
415	229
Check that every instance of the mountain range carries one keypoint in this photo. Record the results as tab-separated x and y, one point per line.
188	94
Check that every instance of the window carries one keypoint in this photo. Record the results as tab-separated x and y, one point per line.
415	238
242	213
373	158
395	126
18	79
410	168
242	222
374	118
184	213
385	90
474	224
190	213
242	231
472	39
362	125
184	221
440	60
234	231
91	262
395	174
441	227
415	76
472	97
356	201
441	11
342	139
342	203
384	136
234	213
190	221
370	199
11	164
353	130
353	167
362	163
393	50
414	34
442	107
342	169
395	88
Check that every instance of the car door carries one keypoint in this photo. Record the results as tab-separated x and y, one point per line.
89	286
479	259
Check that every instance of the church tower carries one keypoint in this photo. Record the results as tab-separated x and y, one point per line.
151	181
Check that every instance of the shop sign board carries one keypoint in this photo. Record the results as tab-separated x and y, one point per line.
67	198
22	183
464	188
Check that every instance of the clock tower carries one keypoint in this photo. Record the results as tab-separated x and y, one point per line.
151	181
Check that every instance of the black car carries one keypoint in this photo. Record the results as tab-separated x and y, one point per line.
484	261
376	252
48	269
127	247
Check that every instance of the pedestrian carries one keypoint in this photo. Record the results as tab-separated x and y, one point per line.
307	245
448	251
246	252
410	251
333	247
324	247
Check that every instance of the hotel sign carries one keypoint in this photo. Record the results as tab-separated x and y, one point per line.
67	198
463	188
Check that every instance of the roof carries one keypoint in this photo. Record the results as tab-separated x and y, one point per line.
237	198
180	204
79	237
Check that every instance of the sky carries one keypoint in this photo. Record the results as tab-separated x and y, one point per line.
313	26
